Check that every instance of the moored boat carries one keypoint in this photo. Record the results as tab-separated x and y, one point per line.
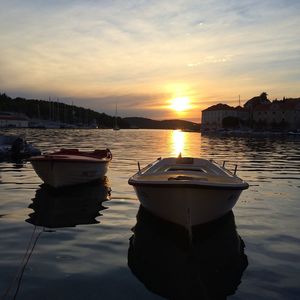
15	147
71	167
187	191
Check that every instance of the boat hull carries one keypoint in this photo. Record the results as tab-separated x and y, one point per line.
187	206
64	173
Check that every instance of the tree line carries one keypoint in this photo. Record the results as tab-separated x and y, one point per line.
58	112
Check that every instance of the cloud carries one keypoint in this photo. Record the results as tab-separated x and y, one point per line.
106	50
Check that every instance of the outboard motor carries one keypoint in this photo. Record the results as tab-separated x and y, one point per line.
18	147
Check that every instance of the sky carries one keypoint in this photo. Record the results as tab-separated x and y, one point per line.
139	55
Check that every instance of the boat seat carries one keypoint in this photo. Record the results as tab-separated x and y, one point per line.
186	178
186	169
67	151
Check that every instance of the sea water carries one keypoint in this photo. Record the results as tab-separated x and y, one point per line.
86	242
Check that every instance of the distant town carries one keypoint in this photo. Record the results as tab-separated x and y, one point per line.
258	114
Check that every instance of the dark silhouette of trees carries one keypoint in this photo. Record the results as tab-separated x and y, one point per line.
57	111
263	96
231	122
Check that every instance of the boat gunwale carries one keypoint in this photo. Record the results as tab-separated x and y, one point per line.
193	167
185	184
74	155
48	159
188	183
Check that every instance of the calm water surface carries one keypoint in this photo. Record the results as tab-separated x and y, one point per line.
79	243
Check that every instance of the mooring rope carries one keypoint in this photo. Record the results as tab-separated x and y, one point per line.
19	274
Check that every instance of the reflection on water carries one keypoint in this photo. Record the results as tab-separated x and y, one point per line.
76	259
178	140
57	208
17	163
68	207
160	256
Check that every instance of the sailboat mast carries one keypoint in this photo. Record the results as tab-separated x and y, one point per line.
116	127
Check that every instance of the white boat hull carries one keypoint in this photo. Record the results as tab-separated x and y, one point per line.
187	206
63	173
187	191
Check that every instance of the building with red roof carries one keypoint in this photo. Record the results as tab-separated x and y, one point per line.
9	119
258	112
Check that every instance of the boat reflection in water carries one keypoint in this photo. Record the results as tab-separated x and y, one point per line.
68	207
210	266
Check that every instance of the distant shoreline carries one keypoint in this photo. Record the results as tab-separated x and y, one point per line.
251	133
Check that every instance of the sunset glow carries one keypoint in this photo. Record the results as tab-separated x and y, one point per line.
168	63
180	104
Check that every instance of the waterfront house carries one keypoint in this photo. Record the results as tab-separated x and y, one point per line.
213	116
9	119
258	113
283	115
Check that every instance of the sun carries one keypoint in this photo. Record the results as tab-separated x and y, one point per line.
180	104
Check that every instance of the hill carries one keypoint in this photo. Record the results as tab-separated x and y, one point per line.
70	114
58	112
138	122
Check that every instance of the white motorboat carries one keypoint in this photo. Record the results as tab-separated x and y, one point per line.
15	147
187	191
71	166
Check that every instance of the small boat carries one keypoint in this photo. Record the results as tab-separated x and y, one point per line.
187	191
15	147
71	167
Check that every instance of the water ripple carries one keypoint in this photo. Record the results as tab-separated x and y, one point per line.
72	261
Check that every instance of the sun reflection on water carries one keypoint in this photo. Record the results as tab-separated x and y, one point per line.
178	141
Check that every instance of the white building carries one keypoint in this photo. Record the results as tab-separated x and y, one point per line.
8	119
258	112
212	117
